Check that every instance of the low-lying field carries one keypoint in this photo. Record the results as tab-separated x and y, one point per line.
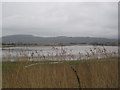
69	74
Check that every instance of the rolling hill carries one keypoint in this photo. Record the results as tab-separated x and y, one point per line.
30	39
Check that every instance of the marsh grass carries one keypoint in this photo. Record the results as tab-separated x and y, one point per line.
97	68
92	74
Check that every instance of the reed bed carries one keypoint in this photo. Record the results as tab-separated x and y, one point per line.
96	68
92	74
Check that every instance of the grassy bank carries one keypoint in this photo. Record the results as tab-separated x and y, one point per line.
69	74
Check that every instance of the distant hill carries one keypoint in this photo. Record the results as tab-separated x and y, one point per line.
30	39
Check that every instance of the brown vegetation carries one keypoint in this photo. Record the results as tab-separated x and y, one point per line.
91	73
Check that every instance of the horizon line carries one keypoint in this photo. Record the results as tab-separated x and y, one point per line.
60	36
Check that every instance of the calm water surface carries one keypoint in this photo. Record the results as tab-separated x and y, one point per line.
45	50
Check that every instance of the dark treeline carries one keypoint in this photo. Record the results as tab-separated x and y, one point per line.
61	44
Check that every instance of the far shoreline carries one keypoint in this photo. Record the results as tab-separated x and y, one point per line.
31	45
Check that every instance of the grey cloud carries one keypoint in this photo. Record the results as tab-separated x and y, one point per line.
56	19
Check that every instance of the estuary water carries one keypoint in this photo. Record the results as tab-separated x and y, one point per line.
35	51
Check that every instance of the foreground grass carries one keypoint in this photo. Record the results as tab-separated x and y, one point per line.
91	73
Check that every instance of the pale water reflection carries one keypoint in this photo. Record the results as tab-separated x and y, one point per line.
57	52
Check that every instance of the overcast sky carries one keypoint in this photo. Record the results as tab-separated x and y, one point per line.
60	19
